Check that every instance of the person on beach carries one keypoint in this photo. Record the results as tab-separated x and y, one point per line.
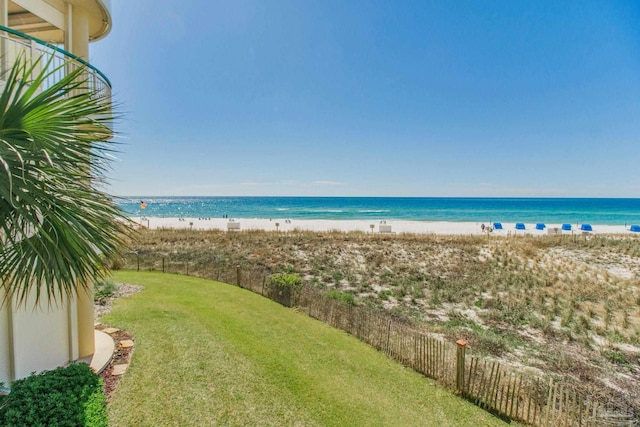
482	227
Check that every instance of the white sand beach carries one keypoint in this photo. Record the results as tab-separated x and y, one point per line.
365	226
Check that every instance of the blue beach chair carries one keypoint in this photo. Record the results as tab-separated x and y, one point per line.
586	227
635	228
497	226
540	226
520	226
566	227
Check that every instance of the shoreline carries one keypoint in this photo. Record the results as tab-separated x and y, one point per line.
363	225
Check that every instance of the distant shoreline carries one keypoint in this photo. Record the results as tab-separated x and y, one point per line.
365	226
457	210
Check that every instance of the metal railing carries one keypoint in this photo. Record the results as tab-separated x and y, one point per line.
14	43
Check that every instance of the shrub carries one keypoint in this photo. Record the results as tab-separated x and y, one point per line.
344	297
70	396
282	287
103	290
285	280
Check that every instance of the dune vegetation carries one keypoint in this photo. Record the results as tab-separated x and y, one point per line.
564	305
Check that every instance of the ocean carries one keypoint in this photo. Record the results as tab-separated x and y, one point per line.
455	209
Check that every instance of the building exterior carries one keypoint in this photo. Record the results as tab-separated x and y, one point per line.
35	338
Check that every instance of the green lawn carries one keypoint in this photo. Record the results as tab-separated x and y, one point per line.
208	353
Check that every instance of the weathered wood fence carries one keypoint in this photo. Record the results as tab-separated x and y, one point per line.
501	389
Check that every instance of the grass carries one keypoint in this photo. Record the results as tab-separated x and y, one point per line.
213	354
526	299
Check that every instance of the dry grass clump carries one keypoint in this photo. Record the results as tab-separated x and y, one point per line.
562	304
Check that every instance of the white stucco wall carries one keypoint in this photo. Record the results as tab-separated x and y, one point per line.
44	337
40	338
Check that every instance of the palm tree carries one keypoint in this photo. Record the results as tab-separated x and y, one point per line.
57	228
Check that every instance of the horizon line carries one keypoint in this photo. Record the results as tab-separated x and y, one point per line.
377	197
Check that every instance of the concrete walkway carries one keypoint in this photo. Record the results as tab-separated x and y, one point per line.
105	348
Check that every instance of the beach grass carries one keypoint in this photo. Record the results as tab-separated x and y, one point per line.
208	353
568	305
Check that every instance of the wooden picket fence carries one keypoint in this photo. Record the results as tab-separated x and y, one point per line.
501	389
535	400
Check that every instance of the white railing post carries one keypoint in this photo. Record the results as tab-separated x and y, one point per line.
33	52
33	49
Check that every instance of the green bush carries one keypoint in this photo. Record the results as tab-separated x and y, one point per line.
344	297
103	290
285	280
70	396
282	287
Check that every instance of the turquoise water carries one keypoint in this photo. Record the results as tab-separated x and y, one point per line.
528	210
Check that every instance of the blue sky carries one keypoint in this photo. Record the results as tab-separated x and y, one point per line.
375	98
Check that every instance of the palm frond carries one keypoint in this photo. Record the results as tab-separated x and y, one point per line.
57	230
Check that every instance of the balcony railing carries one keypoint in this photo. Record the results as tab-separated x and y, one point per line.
14	43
